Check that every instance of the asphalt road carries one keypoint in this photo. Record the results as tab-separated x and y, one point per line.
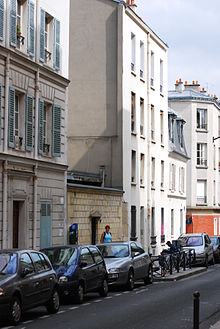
162	305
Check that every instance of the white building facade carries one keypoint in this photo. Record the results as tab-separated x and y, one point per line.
33	115
201	112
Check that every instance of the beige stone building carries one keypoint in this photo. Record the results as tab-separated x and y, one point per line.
91	207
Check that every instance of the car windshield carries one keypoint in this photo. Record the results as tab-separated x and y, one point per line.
214	239
62	256
194	241
8	263
114	251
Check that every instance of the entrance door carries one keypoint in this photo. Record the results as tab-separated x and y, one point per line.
45	225
15	224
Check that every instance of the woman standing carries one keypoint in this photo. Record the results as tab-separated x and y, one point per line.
106	236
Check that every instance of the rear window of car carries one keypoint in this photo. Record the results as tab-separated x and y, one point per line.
62	256
8	263
194	241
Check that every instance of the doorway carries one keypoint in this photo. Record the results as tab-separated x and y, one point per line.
45	225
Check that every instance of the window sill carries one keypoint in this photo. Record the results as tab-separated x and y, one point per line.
162	95
142	186
133	73
201	167
201	204
142	80
153	141
162	189
162	145
133	183
153	188
142	136
133	133
201	130
152	88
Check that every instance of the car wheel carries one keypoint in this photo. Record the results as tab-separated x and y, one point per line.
104	289
80	294
130	282
15	311
149	278
53	304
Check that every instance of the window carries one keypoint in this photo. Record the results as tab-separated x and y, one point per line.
37	262
162	237
152	123
133	112
133	222
49	40
2	12
133	166
45	262
161	128
181	221
96	255
56	131
161	76
133	41
171	129
181	180
153	222
152	69
86	257
201	191
202	154
0	113
141	59
214	187
172	222
26	263
180	133
22	25
141	116
202	119
16	117
162	174
173	177
152	172
142	169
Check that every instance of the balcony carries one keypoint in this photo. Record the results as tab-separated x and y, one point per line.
153	240
201	199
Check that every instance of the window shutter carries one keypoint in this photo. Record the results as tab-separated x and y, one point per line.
11	117
31	30
0	113
1	19
56	44
40	125
29	123
42	35
56	131
13	23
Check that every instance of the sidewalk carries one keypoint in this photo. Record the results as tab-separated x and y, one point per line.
181	275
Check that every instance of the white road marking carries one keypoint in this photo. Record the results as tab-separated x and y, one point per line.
140	291
29	321
116	295
60	312
73	308
44	316
126	292
85	304
97	301
109	297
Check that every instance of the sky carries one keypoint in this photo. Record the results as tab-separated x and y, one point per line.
191	29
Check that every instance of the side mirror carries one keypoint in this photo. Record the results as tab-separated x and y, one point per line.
83	264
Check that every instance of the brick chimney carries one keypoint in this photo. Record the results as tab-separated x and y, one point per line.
131	4
179	86
193	86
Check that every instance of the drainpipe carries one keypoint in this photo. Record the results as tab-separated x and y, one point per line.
148	145
4	201
35	208
36	115
7	67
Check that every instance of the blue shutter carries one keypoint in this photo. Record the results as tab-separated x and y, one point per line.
13	23
42	35
29	123
0	113
1	19
11	117
56	44
40	125
56	131
31	30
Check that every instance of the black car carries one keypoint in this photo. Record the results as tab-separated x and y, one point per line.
27	280
80	269
216	247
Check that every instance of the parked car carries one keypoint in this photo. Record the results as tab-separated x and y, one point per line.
201	244
126	262
216	247
27	280
80	269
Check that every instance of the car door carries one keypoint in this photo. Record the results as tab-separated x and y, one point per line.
208	247
29	283
136	261
101	269
144	260
43	275
89	269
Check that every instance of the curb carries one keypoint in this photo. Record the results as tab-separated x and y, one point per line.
179	276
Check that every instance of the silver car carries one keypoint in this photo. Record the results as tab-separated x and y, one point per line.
202	245
126	262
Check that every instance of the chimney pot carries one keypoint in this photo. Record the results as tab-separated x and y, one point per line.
185	82
197	82
180	80
193	82
177	82
203	89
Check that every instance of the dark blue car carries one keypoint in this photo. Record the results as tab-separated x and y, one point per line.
80	269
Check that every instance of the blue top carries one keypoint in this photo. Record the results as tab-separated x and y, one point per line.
107	237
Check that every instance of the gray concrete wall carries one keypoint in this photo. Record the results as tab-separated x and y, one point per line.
94	130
